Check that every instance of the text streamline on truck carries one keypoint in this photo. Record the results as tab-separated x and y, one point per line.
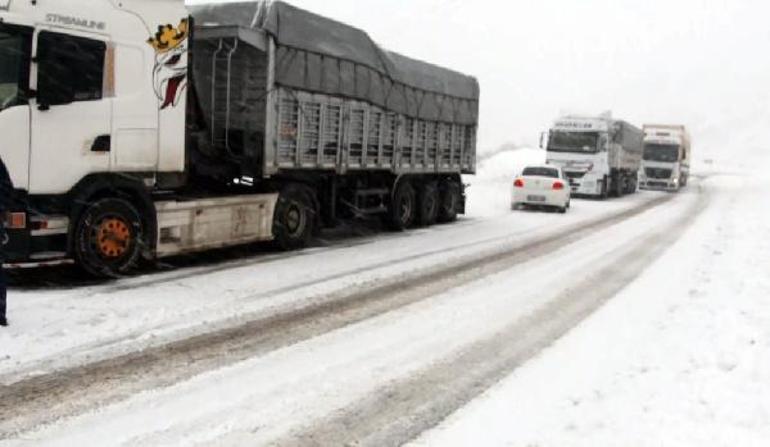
667	154
601	156
130	133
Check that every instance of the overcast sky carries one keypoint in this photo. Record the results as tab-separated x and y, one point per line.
702	63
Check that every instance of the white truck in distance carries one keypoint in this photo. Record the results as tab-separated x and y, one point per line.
601	156
667	155
147	128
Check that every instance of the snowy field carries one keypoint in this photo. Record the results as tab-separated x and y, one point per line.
638	321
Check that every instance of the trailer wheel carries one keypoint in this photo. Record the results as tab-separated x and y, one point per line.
449	202
109	238
402	209
632	185
429	204
618	185
605	194
294	219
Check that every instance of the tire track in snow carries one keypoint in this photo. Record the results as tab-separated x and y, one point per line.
37	401
399	412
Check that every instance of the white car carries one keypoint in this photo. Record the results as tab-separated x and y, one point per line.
542	187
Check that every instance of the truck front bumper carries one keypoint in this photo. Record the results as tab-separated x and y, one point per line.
659	184
587	185
43	239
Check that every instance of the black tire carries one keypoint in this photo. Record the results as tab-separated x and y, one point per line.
449	197
631	185
109	238
562	210
294	219
428	204
605	194
618	186
402	210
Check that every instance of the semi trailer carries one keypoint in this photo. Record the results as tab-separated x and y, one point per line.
140	129
667	155
600	155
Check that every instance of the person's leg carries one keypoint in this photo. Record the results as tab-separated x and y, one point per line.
3	321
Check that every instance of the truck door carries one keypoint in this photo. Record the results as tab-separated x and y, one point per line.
71	120
15	50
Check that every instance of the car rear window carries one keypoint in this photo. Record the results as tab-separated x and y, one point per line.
541	172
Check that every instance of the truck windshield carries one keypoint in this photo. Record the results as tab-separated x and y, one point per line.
587	142
661	152
14	50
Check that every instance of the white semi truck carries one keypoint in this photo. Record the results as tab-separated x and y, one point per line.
600	155
667	155
137	129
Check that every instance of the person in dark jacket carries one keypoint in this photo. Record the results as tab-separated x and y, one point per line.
6	193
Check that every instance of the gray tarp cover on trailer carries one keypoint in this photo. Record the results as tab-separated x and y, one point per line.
321	55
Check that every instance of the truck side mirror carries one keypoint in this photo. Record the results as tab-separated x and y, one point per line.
543	140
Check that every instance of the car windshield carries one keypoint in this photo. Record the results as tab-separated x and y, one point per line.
13	48
587	142
661	152
540	172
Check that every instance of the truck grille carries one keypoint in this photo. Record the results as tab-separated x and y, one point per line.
658	173
575	175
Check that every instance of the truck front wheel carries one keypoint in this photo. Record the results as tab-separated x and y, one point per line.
108	238
294	219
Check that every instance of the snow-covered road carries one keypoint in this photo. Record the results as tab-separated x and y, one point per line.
681	357
372	340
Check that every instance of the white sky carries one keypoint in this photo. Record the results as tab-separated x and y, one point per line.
703	63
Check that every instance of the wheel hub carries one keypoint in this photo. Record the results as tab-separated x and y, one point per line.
294	219
113	237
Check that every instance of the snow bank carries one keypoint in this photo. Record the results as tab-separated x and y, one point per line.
489	193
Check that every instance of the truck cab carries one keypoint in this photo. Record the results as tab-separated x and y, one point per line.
91	92
580	147
666	160
599	155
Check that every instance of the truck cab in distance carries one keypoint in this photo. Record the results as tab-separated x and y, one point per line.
600	156
666	161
